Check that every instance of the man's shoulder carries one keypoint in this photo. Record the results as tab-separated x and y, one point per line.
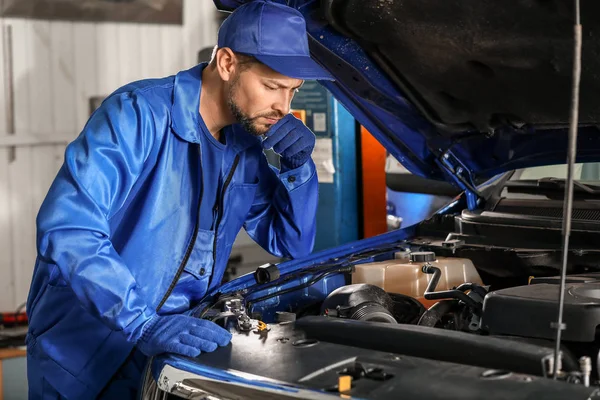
138	99
142	97
148	87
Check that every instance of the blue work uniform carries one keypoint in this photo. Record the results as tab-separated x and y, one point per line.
119	233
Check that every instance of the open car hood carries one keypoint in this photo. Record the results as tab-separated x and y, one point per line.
460	90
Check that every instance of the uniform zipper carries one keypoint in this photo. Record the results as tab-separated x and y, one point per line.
219	210
190	246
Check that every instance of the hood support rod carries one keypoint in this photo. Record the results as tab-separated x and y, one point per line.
568	201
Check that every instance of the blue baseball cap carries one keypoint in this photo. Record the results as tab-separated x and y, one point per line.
275	35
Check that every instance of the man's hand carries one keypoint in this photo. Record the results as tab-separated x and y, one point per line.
292	140
181	334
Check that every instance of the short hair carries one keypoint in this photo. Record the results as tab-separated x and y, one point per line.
245	61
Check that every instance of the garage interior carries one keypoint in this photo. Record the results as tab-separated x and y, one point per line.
58	65
477	230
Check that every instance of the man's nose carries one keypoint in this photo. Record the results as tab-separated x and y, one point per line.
283	104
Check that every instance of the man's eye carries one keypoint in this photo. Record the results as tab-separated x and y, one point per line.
270	87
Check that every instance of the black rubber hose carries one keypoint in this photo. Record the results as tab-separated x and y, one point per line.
463	287
311	282
431	294
435	313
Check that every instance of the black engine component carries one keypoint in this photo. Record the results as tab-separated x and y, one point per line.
287	355
458	293
529	310
266	273
361	302
407	310
436	344
578	278
436	312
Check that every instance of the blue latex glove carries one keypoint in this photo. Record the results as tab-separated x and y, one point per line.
181	334
292	140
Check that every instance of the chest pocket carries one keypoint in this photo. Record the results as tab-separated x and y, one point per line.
193	282
200	262
241	198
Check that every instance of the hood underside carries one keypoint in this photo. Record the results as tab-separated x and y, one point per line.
486	82
480	63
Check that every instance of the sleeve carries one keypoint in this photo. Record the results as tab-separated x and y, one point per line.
282	218
100	168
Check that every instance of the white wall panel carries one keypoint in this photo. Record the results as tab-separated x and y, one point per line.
87	71
44	92
6	266
107	58
63	77
171	50
64	94
199	31
129	42
151	51
42	87
57	67
6	283
2	88
206	19
20	168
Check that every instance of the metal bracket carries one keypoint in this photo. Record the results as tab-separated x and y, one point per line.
462	176
556	325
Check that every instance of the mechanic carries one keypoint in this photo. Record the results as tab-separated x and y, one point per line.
139	223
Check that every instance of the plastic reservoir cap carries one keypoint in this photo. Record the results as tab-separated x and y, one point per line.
266	273
422	257
344	383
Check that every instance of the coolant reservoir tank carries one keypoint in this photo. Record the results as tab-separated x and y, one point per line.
404	275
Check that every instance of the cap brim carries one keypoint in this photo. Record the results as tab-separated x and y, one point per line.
298	67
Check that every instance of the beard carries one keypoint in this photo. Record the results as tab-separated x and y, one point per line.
248	123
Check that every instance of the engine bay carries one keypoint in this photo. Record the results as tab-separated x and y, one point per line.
435	298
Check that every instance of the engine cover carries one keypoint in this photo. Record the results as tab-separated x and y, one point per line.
530	311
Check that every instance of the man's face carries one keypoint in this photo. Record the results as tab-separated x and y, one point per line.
259	97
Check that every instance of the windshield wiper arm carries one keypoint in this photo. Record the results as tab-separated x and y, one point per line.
549	184
562	183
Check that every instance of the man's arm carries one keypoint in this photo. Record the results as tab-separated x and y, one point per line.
100	169
101	166
283	215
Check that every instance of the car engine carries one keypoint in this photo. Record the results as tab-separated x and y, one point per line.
422	304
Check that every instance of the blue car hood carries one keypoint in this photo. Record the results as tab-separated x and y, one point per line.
459	90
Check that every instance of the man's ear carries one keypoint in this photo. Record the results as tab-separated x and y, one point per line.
226	63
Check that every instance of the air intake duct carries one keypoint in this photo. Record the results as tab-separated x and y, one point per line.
361	302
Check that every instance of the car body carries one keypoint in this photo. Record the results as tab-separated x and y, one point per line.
474	95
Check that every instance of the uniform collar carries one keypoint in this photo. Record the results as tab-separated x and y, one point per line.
185	118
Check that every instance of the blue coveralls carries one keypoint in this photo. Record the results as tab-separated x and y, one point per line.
119	219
